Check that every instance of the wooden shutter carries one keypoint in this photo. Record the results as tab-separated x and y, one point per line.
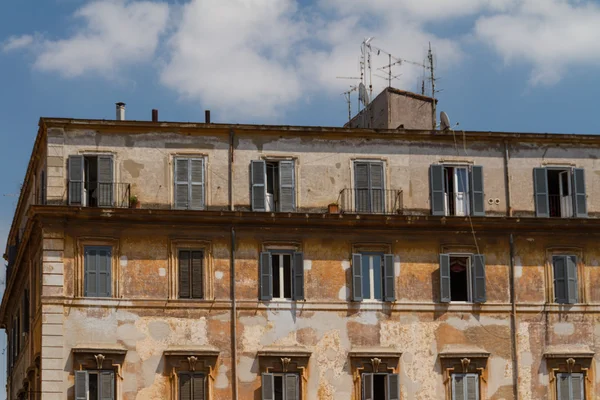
197	184
76	180
540	185
185	386
258	175
107	385
184	274
563	387
477	196
198	387
458	387
577	386
472	386
197	274
25	308
571	262
91	273
438	196
268	387
367	386
286	187
104	189
182	189
376	187
266	276
81	385
393	389
292	391
43	187
357	278
298	276
361	187
559	264
478	278
445	296
579	194
103	266
389	285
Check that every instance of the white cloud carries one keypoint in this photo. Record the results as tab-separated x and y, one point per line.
17	42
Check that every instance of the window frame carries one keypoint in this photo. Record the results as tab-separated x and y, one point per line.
281	254
469	258
192	374
582	287
269	159
573	173
384	184
371	254
190	183
79	275
275	248
208	275
191	274
471	296
99	373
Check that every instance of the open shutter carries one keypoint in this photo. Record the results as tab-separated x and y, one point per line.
104	188
298	276
540	185
559	264
266	276
185	386
104	271
445	296
268	387
577	387
76	180
292	391
286	187
81	385
367	386
182	189
579	196
357	284
107	386
393	390
361	187
197	184
572	279
472	387
259	188
197	275
389	278
376	180
198	387
436	182
184	274
477	197
478	278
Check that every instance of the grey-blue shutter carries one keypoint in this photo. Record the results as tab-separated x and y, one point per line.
185	386
198	384
458	387
107	385
81	385
184	274
559	266
287	189
266	276
197	282
367	386
579	195
103	266
563	387
104	188
90	272
472	386
393	389
572	279
361	187
182	189
197	192
540	185
438	196
298	276
76	180
258	175
268	387
577	387
477	196
478	278
292	391
389	285
357	292
376	187
445	296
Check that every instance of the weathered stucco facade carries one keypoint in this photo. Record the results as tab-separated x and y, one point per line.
516	341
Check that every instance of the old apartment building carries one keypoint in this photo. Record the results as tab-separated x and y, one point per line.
163	260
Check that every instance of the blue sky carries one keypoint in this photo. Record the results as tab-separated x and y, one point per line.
503	65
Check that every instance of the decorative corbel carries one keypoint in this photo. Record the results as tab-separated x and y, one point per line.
118	369
285	362
481	374
192	360
99	360
375	362
465	364
570	364
586	373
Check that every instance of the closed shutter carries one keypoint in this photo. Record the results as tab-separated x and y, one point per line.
286	187
181	190
292	391
540	185
357	278
26	311
436	187
43	188
259	189
393	390
198	387
579	195
367	386
389	277
197	275
445	296
107	386
104	189
266	276
572	279
298	276
103	266
377	186
81	385
478	278
563	388
197	184
458	387
76	180
91	273
361	187
577	386
472	386
185	387
268	387
477	196
184	274
97	272
560	281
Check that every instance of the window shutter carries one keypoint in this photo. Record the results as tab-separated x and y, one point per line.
43	188
286	187
197	275
298	276
104	189
472	387
357	286
393	381
478	278
577	386
376	181
477	196
181	183
572	279
197	387
540	184
368	386
292	391
103	272
185	386
458	387
81	385
389	277
75	180
438	197
268	387
579	196
560	281
361	186
184	274
107	386
91	275
259	188
197	184
26	311
445	296
266	276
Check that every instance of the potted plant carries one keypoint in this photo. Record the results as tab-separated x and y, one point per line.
333	208
134	202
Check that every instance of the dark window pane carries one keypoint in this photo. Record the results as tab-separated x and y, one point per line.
377	292
287	276
379	387
366	281
276	277
459	278
278	387
93	387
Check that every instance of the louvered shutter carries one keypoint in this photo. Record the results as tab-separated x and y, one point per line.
298	276
389	277
185	386
197	275
182	189
560	281
436	187
477	196
104	271
377	187
268	387
266	276
286	187
197	184
478	278
357	278
367	386
361	187
472	386
577	386
43	188
107	385
445	296
579	194
540	185
198	384
76	180
104	188
259	188
26	311
292	391
393	390
572	279
563	387
184	274
458	387
81	385
91	273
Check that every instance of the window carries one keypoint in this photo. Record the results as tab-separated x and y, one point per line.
189	183
564	269
192	386
570	386
380	387
457	190
369	186
91	180
94	385
560	192
373	276
462	278
273	186
281	275
42	199
280	387
191	274
97	271
25	311
465	387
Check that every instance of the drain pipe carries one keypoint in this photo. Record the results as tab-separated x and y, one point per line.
231	139
234	366
509	211
513	320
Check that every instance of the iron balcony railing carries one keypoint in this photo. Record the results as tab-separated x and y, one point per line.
370	201
99	194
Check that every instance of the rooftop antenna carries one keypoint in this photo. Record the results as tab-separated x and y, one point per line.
363	95
348	100
365	63
433	105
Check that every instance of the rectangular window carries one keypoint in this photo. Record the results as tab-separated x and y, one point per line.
280	387
560	192
97	271
369	186
462	278
91	180
94	385
191	274
465	387
189	183
192	386
380	387
273	186
281	275
373	276
566	288
457	190
570	386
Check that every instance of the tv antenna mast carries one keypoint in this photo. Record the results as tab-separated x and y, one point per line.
347	94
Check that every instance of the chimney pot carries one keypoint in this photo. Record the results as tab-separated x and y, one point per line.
120	111
154	115
207	116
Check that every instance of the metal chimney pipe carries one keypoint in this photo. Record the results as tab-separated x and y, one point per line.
207	116
120	111
154	115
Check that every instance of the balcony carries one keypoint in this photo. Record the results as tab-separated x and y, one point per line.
370	201
99	194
